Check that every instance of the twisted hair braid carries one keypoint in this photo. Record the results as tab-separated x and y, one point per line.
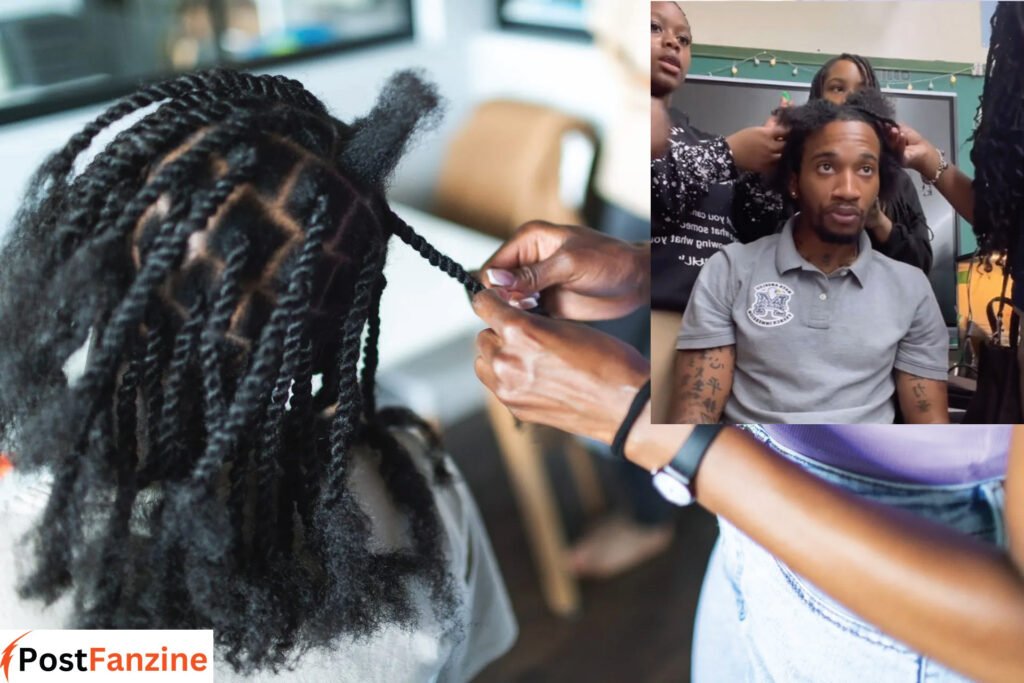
233	240
998	150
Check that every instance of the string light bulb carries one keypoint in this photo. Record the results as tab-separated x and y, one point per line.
772	62
734	70
931	85
796	71
910	86
757	62
952	79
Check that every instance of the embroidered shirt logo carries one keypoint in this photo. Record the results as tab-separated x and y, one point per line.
771	305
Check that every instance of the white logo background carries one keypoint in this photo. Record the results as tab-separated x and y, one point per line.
771	305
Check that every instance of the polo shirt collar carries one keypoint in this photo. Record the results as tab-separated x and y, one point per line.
787	258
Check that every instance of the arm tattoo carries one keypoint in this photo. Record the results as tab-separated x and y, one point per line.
921	397
701	395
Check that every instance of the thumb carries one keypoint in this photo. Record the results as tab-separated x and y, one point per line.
497	314
534	277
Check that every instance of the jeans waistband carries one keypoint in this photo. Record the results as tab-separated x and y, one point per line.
975	508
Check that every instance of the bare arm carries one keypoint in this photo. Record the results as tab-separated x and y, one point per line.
956	187
923	401
703	382
952	597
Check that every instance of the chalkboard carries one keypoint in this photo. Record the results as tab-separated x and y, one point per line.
725	105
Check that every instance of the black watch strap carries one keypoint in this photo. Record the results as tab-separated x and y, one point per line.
639	401
690	454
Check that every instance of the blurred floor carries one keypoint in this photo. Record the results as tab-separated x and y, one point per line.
634	628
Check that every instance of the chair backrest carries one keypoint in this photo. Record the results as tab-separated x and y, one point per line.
504	167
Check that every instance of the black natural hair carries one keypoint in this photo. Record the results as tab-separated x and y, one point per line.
998	151
867	74
867	105
198	480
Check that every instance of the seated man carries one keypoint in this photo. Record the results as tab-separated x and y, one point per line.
811	325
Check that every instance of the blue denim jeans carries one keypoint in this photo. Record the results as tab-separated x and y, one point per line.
758	621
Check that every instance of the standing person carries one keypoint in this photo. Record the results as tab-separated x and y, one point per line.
700	199
993	201
221	253
898	228
848	553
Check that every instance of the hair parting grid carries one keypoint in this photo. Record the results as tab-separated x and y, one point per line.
214	448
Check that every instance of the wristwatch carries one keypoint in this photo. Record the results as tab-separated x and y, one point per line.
674	480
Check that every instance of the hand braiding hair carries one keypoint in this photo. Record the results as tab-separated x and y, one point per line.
223	250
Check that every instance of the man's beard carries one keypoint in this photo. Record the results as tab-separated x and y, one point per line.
826	235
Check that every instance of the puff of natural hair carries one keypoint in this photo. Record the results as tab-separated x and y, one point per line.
406	106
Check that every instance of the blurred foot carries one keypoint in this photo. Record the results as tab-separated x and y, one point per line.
615	545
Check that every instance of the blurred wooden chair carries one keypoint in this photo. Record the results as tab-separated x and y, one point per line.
513	162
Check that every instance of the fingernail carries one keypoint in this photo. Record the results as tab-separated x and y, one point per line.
501	278
528	302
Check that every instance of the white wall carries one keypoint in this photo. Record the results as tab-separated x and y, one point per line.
456	44
925	29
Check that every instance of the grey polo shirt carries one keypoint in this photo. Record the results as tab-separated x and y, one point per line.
810	347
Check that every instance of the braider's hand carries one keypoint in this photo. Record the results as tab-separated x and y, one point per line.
916	152
758	148
554	372
579	273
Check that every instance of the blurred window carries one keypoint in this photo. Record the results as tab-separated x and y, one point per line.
551	16
58	54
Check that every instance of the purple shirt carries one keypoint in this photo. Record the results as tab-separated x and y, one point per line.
922	454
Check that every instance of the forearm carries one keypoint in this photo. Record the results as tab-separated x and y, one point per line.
951	597
881	228
703	381
956	187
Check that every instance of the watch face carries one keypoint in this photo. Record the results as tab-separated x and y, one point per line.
672	489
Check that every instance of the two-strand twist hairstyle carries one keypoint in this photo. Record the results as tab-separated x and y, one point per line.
222	253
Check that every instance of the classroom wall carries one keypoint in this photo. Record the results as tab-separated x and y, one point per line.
922	30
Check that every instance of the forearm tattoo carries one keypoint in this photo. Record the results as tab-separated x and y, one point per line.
702	391
920	394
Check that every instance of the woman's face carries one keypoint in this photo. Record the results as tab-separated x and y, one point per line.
670	48
842	80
